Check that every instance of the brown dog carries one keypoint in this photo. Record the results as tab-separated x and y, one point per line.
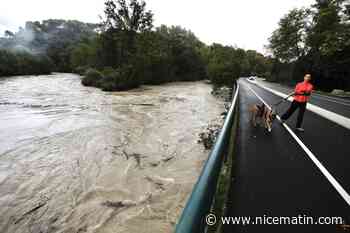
262	115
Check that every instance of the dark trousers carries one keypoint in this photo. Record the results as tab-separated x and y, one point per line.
294	106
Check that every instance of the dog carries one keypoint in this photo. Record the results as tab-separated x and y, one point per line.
263	115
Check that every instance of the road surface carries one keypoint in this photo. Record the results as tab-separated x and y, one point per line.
335	104
273	176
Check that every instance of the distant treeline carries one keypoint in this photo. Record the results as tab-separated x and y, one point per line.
124	51
23	63
129	52
42	47
314	40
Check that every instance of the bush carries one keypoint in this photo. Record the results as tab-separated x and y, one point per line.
108	82
92	78
223	74
121	79
23	63
81	70
127	79
107	71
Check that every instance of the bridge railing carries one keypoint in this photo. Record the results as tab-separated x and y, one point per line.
192	219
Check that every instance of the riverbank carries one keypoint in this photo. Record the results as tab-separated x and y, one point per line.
76	159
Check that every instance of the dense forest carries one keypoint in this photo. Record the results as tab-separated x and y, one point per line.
314	40
41	48
123	51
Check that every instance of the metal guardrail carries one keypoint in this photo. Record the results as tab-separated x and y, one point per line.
192	219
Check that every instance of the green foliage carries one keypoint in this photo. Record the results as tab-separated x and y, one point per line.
53	38
127	51
170	54
107	71
321	45
83	54
123	21
92	77
288	41
22	63
81	70
111	79
224	65
120	80
130	16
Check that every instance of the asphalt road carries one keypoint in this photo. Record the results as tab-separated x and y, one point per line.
274	177
335	104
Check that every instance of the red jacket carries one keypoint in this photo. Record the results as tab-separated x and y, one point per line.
303	91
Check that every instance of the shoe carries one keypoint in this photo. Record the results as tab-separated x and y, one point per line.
300	129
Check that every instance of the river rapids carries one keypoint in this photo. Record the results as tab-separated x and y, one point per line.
75	159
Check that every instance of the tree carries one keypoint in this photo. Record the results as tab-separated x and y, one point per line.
125	19
84	54
328	34
288	42
325	45
224	65
128	16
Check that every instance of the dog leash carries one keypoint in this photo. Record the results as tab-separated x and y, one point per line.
279	102
283	100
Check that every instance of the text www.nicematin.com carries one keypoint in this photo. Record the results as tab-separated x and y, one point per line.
276	220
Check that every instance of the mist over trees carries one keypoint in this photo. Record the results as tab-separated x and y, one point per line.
124	51
314	40
131	52
23	63
42	47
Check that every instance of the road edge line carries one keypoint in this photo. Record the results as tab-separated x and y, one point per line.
313	158
334	117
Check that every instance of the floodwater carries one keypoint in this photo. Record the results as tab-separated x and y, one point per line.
76	159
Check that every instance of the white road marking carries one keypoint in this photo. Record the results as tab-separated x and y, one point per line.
337	100
334	117
324	171
322	97
330	99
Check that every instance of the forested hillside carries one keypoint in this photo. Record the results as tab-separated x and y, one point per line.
129	51
123	51
42	47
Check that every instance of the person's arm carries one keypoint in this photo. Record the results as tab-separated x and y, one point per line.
311	90
308	92
297	90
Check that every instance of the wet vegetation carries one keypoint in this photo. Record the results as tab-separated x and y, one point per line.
141	54
42	47
314	40
125	50
23	63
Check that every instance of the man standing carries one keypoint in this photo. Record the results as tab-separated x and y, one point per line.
301	97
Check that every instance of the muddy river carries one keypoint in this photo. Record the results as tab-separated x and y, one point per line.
76	159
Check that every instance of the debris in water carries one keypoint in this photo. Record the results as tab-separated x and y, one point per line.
41	204
136	156
154	164
119	204
159	180
168	158
209	136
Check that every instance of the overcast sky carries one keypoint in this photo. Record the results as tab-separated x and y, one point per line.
244	23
